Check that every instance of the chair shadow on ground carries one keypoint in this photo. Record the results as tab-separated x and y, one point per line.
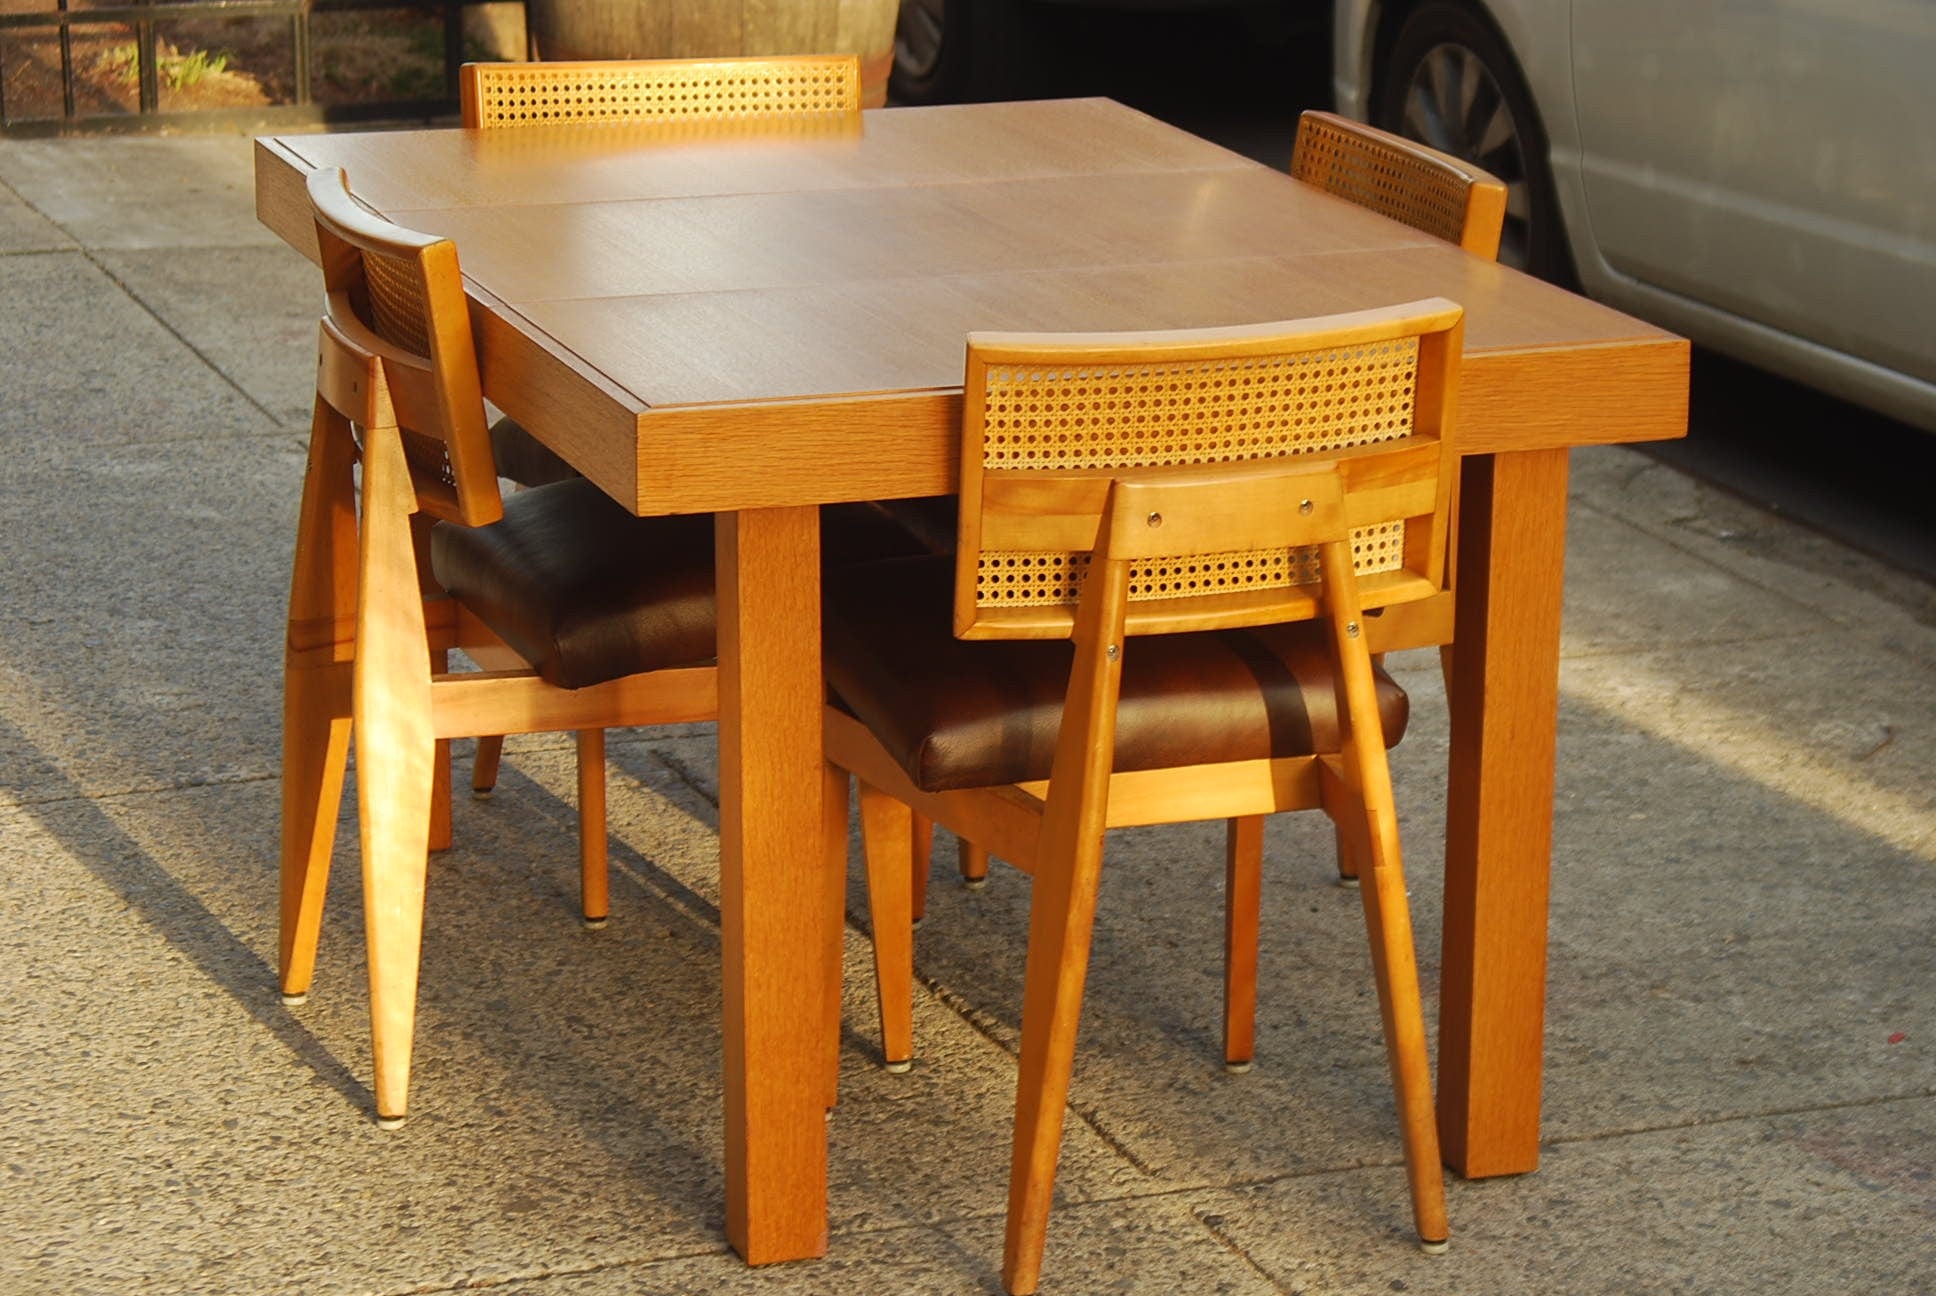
172	909
1727	908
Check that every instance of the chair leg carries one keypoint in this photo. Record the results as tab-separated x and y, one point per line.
316	692
395	752
1394	962
833	803
1243	898
421	525
1350	862
921	854
1061	918
490	753
974	864
1062	914
593	872
316	743
1349	866
393	783
1366	781
886	829
440	832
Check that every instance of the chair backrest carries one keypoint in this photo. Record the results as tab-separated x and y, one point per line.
1052	421
1428	190
396	350
630	91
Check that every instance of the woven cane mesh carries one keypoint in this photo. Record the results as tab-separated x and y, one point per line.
398	302
396	299
1083	416
536	94
1365	169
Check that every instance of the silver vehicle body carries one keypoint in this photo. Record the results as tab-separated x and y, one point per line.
1759	175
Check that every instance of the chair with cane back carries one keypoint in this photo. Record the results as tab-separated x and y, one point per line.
1432	192
546	586
675	93
1168	543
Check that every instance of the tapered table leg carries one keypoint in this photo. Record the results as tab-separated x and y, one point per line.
1499	816
772	892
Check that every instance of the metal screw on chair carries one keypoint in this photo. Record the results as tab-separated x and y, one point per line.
1112	652
1351	629
1155	519
1305	506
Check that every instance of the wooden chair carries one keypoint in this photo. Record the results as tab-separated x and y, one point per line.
1235	500
619	92
1430	191
546	591
629	92
1433	192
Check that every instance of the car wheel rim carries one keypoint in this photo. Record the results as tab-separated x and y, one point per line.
917	37
1454	104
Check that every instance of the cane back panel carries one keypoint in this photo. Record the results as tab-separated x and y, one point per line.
396	301
1337	388
1427	190
659	90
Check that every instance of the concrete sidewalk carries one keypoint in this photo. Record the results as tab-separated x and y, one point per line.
1741	1060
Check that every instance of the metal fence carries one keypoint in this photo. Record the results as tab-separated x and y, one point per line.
36	36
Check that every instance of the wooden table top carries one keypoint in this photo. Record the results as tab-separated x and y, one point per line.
736	319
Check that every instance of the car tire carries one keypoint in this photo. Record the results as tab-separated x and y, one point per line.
955	51
1441	43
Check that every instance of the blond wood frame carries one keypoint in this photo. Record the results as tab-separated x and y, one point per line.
1434	192
368	629
1055	830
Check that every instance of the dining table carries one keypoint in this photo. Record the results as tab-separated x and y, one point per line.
756	321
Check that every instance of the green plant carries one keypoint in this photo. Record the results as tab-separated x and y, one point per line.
192	68
177	70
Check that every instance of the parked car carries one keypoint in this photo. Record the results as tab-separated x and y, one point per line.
1759	175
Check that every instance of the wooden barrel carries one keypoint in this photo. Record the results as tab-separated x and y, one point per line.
601	29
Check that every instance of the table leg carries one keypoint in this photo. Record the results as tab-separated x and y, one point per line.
1499	814
772	893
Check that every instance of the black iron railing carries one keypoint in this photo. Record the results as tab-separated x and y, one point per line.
29	27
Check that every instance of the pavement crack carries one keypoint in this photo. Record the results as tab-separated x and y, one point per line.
208	361
134	793
688	776
1737	1118
1680	545
561	1272
1213	1224
981	1023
